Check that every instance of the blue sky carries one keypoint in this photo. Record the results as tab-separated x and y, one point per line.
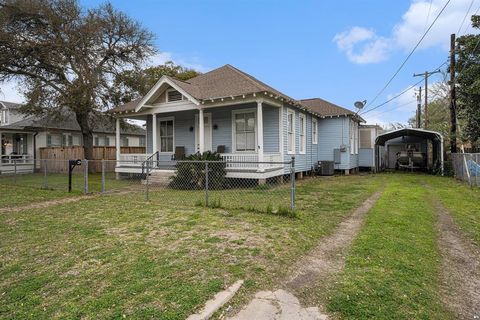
341	51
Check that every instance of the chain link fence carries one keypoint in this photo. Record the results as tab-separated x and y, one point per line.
253	186
466	167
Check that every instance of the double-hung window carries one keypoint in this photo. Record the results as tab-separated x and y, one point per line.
166	135
290	131
302	133
314	131
244	131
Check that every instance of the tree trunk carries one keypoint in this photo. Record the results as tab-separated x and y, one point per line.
87	134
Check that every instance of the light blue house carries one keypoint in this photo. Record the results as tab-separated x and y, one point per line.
247	121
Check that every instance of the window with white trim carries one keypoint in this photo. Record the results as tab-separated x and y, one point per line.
244	127
314	131
166	135
173	95
290	131
302	133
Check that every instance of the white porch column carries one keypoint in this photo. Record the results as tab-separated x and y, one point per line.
260	130
117	139
154	133
201	131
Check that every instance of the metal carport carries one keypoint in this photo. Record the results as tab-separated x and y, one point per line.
435	137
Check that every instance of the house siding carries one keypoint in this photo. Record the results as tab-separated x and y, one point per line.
303	162
365	158
222	119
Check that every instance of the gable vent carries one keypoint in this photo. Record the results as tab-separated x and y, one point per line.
174	95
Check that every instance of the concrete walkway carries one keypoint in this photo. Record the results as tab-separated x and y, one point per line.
277	305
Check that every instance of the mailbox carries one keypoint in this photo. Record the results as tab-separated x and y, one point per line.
71	165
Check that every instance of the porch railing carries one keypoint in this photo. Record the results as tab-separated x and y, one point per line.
133	159
240	161
16	158
235	161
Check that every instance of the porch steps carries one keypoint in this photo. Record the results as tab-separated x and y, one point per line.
159	177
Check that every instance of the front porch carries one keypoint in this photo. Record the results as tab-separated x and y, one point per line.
247	135
245	166
16	154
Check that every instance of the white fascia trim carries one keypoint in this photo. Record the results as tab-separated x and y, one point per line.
157	85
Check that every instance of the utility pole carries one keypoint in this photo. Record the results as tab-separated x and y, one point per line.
419	108
453	98
426	74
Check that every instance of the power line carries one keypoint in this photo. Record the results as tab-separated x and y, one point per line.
410	54
400	94
474	14
397	107
465	17
428	15
393	98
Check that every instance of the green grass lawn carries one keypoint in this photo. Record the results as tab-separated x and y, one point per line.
30	188
462	202
392	269
119	255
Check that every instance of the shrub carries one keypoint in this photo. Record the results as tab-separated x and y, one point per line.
191	174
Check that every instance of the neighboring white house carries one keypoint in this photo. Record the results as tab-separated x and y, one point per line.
22	136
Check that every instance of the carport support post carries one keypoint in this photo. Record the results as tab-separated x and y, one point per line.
292	184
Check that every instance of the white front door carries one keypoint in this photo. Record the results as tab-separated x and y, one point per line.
207	123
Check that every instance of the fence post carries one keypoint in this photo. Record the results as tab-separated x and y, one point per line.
85	176
206	184
147	180
103	176
15	171
477	173
45	171
292	183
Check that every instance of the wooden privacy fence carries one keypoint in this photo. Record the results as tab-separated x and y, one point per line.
56	157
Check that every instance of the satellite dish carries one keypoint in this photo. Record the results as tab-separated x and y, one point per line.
360	104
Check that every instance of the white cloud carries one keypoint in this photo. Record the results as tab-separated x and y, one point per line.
162	57
9	92
362	45
373	48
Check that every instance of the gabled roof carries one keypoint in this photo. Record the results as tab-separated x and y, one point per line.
10	105
223	82
100	124
228	81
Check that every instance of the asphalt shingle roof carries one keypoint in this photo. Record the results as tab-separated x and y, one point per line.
228	81
325	108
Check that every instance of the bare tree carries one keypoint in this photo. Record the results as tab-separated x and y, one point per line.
66	57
